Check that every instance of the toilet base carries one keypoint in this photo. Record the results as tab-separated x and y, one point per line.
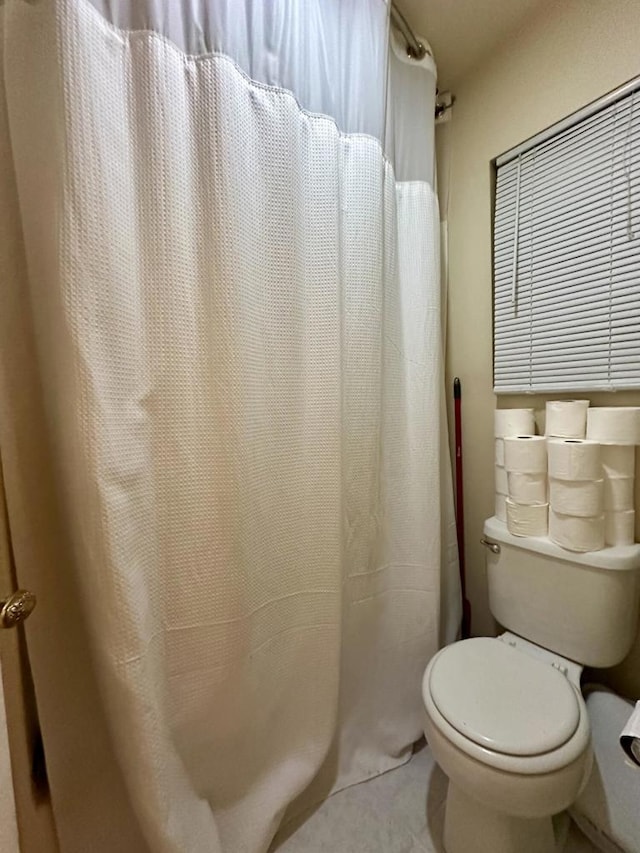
469	825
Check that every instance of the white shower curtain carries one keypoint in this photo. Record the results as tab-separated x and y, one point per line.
221	379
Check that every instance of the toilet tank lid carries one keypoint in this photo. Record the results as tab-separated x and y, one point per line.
503	699
619	558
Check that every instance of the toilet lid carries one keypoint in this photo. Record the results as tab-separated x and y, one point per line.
502	698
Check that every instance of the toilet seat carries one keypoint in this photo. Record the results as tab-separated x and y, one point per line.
502	699
463	727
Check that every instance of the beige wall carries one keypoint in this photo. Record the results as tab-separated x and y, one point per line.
568	54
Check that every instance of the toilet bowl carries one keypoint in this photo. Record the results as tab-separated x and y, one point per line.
504	716
507	724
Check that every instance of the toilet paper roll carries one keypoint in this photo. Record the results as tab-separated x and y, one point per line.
502	486
513	422
584	498
574	459
630	736
527	520
614	424
499	443
566	418
501	507
527	488
618	460
576	534
619	527
618	493
525	453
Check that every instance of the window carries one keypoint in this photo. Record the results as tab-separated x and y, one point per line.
567	254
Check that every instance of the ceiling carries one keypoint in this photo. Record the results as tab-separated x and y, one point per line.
462	32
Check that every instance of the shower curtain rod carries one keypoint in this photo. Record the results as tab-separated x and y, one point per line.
415	48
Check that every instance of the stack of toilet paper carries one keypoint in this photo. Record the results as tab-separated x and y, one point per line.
577	482
617	429
525	459
576	494
507	422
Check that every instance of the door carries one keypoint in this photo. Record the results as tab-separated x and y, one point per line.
8	818
26	818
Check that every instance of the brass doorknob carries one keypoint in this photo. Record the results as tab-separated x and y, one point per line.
16	608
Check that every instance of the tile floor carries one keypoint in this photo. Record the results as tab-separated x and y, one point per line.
385	815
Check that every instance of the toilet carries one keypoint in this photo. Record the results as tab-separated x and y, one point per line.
505	717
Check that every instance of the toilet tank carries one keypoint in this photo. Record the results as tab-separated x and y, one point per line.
582	606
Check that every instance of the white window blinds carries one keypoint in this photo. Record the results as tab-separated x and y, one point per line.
567	257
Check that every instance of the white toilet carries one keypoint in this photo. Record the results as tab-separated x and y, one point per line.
505	717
